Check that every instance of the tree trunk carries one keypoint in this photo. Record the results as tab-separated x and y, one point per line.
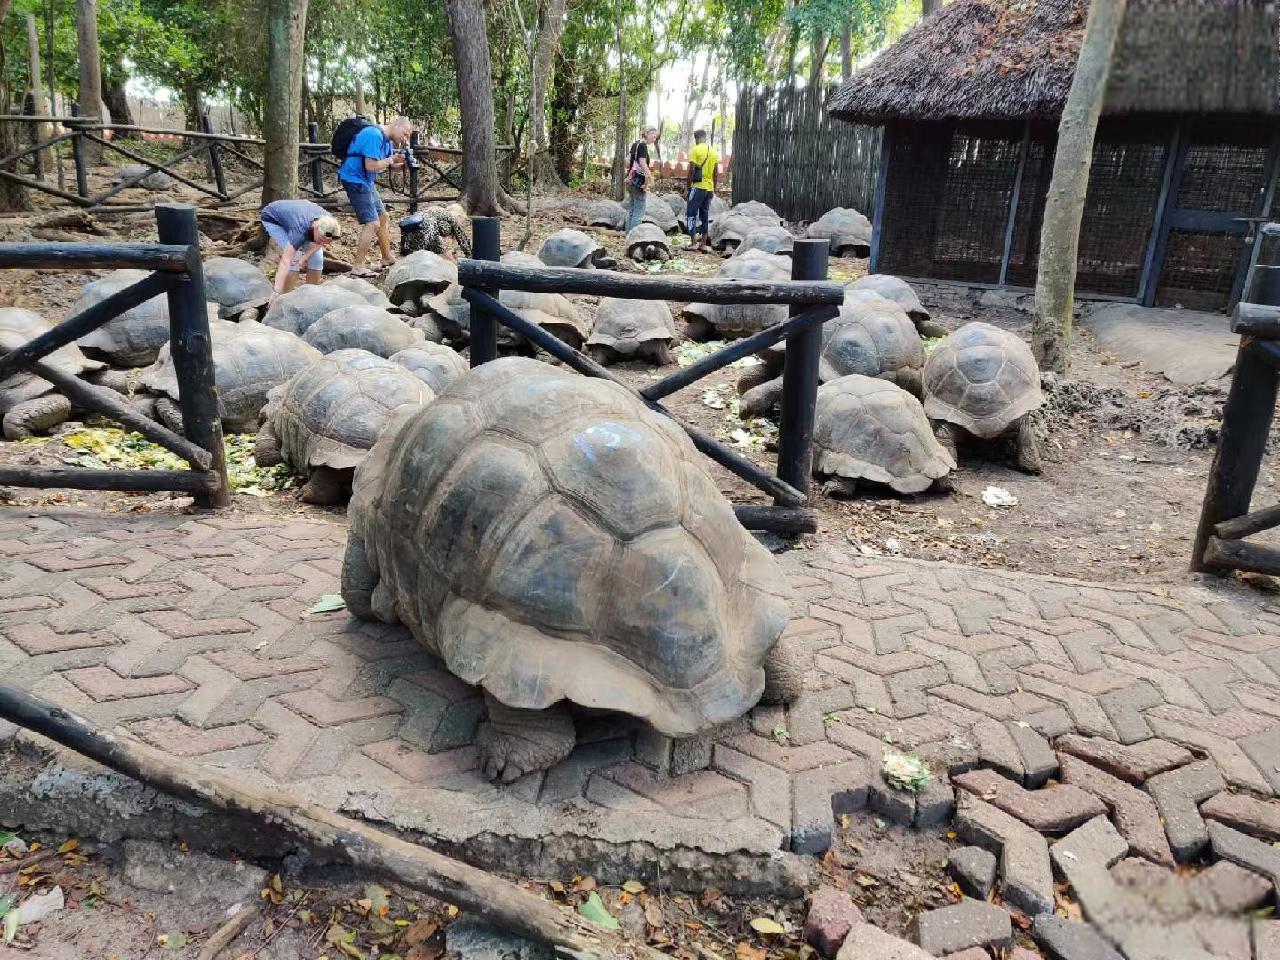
928	6
550	27
475	101
817	60
42	130
620	130
724	115
192	105
90	67
692	104
117	101
286	29
360	95
846	49
1064	206
12	196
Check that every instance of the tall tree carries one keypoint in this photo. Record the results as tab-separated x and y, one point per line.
90	67
286	28
620	139
550	28
36	87
12	196
1064	206
470	37
846	48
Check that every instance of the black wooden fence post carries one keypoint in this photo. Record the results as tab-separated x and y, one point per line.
190	348
800	375
486	242
317	173
77	156
215	158
413	172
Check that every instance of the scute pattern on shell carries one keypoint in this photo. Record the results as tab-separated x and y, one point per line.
742	319
767	239
553	539
756	210
847	229
133	338
331	413
677	203
362	326
17	326
361	286
553	311
657	212
235	285
421	273
872	337
247	364
870	429
295	311
569	248
623	325
895	289
731	228
434	364
643	235
981	378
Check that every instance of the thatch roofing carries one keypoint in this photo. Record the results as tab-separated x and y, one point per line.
1009	59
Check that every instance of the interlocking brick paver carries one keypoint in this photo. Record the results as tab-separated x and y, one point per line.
1024	854
1132	762
1245	814
1051	810
1178	793
1245	851
1134	812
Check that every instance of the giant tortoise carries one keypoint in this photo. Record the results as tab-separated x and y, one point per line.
361	286
433	363
900	292
325	420
767	238
657	212
132	338
728	231
705	321
848	231
645	241
755	210
557	543
869	430
983	381
573	248
362	326
246	365
239	288
28	403
416	278
632	328
295	311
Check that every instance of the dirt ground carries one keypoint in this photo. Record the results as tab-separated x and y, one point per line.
1126	454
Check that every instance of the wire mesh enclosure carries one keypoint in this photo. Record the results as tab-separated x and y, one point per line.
790	153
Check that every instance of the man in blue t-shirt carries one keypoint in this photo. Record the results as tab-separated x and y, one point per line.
372	150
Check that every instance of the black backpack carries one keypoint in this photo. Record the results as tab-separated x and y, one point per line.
345	133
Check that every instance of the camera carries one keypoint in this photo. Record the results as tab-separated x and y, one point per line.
409	159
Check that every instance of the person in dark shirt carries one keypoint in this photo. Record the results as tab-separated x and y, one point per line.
639	177
301	230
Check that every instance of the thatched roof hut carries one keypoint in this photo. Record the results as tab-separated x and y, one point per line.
1188	144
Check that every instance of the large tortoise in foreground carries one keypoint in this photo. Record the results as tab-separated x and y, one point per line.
984	381
555	542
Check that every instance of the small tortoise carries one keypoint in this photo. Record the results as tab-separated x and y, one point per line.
363	287
867	429
900	292
871	337
324	421
632	328
239	288
29	404
557	543
246	365
678	204
295	311
434	364
418	277
155	180
767	239
730	230
847	229
647	242
362	327
132	338
659	214
573	248
704	321
983	381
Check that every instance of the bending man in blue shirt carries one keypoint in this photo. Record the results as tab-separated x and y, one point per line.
372	150
303	231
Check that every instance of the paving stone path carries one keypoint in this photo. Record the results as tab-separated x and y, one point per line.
1154	709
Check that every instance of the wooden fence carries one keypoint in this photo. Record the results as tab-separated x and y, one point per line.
789	153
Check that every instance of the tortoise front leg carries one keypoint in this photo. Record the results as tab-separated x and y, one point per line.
515	742
1026	450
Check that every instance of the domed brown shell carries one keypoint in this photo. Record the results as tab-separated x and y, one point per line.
362	326
895	289
132	338
235	285
623	325
551	538
17	327
981	378
744	319
295	311
847	229
433	363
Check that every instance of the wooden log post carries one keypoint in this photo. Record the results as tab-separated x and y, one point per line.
215	158
413	172
800	376
486	242
317	171
80	161
196	482
190	347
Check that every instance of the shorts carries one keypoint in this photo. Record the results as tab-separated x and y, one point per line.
281	240
365	201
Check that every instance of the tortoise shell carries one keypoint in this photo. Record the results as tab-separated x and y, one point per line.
981	378
434	364
17	326
420	274
295	311
677	203
847	229
361	286
554	312
659	214
235	285
570	248
623	325
892	288
332	411
767	239
647	242
132	338
551	538
755	210
731	229
246	366
874	338
362	327
869	429
743	319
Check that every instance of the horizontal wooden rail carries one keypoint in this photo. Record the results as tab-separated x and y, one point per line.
783	492
156	167
74	478
86	321
95	256
604	283
1251	523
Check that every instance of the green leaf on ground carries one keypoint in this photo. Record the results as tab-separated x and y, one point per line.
10	926
593	909
904	771
173	940
6	836
328	604
7	902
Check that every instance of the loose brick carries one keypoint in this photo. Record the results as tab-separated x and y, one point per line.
1177	794
970	923
1064	940
1135	762
935	803
1052	810
1244	850
1226	887
1024	854
1243	813
1134	812
896	806
866	942
1039	762
974	869
1097	842
831	913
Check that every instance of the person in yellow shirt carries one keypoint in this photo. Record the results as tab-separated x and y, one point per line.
702	187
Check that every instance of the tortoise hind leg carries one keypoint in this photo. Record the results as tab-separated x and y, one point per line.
515	742
37	415
1026	451
326	486
784	671
266	449
358	579
947	434
170	414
